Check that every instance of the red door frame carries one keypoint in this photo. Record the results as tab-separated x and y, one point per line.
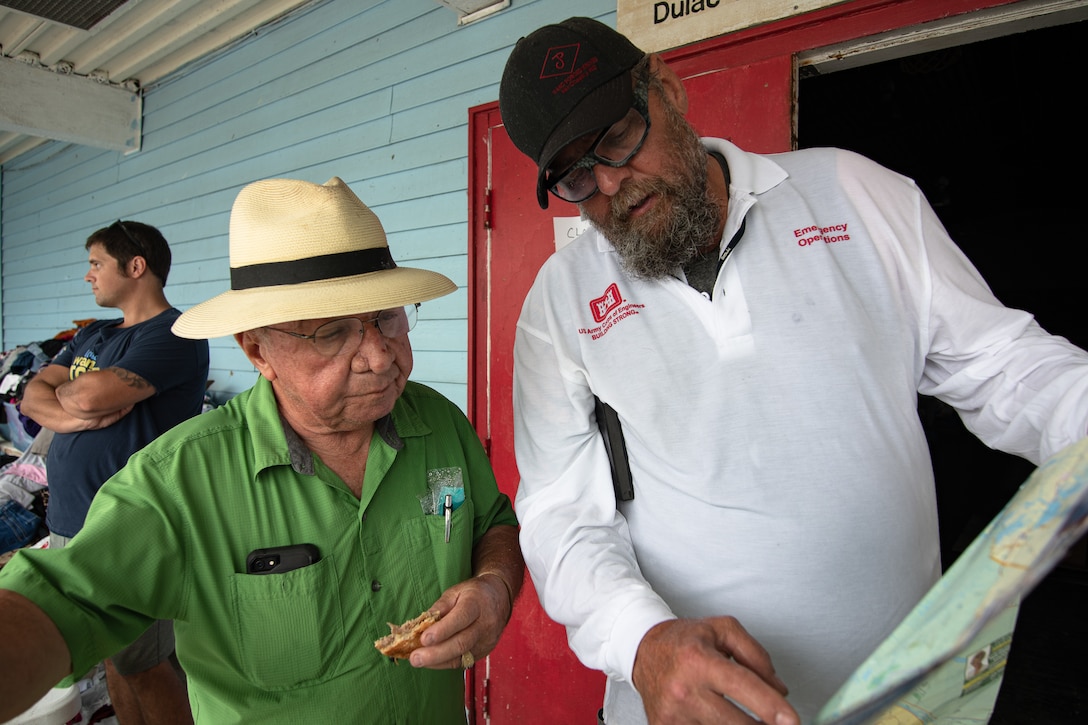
750	76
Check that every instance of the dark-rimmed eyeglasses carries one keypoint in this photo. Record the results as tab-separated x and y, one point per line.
342	336
614	146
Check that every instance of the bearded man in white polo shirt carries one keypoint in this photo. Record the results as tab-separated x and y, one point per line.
762	327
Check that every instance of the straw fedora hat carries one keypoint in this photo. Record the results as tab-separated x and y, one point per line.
301	251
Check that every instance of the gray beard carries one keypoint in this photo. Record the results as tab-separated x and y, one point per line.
684	218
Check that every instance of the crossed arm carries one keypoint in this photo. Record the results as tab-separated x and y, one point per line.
93	400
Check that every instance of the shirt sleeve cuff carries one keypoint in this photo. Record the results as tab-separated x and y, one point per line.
626	636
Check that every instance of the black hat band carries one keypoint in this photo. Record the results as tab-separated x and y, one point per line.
311	269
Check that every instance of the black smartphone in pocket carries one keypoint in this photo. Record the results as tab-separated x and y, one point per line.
279	559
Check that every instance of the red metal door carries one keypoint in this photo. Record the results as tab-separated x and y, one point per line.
532	676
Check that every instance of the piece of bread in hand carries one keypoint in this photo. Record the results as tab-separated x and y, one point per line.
403	639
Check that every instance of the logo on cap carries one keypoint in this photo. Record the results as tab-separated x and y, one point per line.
560	61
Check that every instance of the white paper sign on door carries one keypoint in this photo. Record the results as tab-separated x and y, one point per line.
567	229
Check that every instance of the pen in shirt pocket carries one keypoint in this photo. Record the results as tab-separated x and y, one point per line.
445	494
448	507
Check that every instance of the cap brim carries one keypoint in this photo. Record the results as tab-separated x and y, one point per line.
600	109
240	310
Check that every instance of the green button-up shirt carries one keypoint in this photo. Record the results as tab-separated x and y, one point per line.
168	536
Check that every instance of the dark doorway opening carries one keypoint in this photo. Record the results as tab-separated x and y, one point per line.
993	133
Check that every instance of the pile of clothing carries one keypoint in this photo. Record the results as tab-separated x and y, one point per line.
23	489
24	495
17	366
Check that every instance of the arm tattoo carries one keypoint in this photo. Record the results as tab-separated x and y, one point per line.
130	378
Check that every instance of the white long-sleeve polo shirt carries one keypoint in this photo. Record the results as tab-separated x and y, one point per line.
781	473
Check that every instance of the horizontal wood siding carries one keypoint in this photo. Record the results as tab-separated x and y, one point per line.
376	93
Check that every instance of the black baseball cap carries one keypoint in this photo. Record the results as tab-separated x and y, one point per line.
561	82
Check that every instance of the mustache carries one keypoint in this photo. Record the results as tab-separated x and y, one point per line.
633	193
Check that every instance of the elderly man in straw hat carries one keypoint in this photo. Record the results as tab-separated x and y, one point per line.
282	531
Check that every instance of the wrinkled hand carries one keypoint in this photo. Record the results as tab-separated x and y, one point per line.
684	667
474	614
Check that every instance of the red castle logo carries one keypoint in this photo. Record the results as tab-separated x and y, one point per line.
607	302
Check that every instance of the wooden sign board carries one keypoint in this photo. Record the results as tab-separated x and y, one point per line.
657	25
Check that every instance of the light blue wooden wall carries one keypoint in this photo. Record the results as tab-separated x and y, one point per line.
374	92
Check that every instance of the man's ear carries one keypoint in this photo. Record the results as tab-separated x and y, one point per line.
675	92
251	341
137	267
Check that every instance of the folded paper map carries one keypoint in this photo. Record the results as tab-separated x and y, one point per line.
943	664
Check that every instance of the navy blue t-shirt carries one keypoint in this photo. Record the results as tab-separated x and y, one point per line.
79	463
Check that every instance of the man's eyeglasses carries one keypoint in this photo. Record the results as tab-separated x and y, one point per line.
342	336
614	146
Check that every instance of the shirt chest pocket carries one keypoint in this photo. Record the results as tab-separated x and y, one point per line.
289	627
439	561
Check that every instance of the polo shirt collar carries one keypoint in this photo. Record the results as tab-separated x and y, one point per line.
302	461
749	173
